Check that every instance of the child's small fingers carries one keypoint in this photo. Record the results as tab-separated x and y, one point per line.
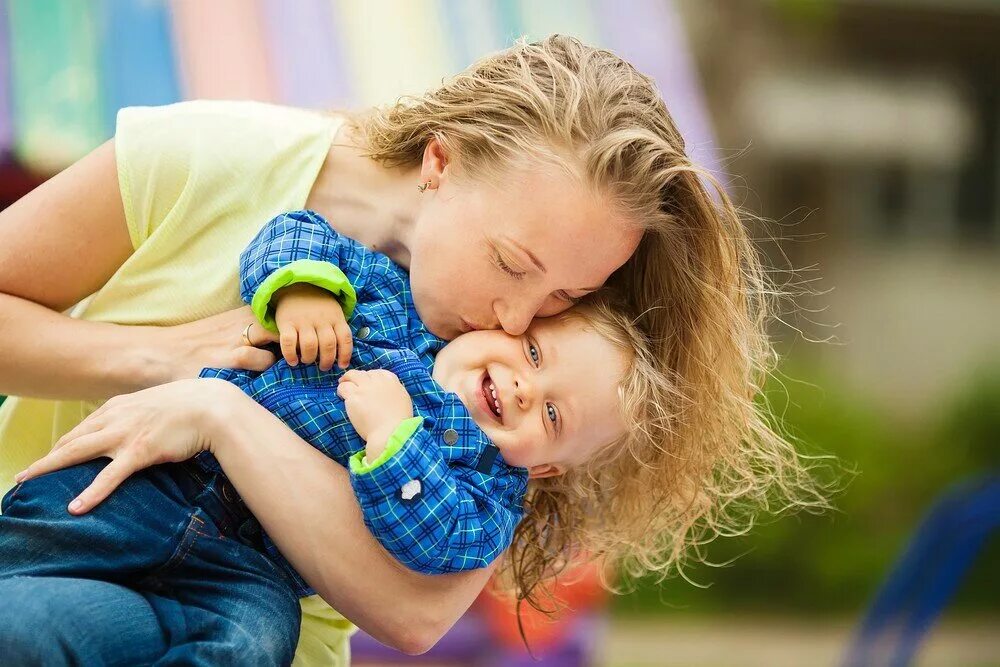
346	389
345	343
353	375
289	345
327	347
308	345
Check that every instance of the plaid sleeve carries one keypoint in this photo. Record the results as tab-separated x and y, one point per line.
425	514
298	247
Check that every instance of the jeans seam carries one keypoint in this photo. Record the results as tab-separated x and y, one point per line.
13	493
188	540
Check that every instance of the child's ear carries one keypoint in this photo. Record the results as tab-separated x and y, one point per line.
545	470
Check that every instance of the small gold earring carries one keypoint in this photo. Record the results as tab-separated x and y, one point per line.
424	186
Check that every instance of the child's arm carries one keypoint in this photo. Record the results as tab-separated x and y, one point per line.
415	505
288	274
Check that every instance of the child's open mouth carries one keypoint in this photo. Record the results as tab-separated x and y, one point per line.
489	393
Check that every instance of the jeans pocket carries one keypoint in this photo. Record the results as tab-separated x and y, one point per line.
197	527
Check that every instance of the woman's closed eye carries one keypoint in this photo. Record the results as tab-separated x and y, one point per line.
563	295
506	267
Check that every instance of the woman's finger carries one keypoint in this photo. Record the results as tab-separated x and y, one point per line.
345	343
261	336
79	450
254	358
91	423
106	481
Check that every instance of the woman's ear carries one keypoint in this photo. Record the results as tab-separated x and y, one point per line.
432	169
543	470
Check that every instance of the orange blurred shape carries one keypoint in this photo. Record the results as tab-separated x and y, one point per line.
577	590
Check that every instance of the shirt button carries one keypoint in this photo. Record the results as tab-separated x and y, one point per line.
450	436
411	490
363	332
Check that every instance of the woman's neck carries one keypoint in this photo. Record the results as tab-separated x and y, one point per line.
365	201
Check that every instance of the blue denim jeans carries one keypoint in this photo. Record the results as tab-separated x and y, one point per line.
167	571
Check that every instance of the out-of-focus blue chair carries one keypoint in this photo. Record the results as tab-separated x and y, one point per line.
928	574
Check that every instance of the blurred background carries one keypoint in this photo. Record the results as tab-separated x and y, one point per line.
866	136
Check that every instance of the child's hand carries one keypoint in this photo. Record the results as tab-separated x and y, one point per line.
311	320
376	403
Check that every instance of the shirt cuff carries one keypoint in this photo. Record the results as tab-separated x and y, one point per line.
322	274
407	427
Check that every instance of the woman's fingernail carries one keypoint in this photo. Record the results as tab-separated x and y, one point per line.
75	505
19	476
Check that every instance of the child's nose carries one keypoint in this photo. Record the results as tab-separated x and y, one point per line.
524	391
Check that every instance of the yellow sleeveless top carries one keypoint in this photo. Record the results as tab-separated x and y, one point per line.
198	181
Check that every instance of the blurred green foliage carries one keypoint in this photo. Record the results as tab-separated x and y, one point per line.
834	563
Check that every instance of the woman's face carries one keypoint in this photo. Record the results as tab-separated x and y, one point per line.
495	255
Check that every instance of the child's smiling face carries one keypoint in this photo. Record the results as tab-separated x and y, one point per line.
556	391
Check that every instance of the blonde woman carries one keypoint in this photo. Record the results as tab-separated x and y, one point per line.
515	189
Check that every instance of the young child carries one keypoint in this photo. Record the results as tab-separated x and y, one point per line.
440	439
443	490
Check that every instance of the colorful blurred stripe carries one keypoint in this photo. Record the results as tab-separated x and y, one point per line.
67	66
55	92
307	53
6	128
220	47
137	55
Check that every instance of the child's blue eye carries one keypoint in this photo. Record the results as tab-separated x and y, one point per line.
551	409
533	351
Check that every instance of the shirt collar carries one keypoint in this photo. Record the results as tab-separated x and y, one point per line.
475	449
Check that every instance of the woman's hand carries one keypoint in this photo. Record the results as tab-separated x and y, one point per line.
183	350
162	424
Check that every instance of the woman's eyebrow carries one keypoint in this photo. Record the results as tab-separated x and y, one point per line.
538	263
531	255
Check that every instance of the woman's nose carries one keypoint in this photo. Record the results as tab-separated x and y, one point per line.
515	316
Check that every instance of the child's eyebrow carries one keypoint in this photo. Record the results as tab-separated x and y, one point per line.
567	415
549	354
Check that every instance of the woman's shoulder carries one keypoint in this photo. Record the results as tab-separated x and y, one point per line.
235	155
219	120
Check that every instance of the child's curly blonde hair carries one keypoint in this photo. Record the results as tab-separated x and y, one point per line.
701	457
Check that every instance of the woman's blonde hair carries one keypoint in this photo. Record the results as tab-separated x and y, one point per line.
701	458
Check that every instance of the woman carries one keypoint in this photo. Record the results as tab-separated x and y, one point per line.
513	190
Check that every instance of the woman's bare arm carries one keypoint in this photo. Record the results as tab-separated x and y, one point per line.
305	503
59	244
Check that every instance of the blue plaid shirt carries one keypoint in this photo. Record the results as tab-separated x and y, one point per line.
462	501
